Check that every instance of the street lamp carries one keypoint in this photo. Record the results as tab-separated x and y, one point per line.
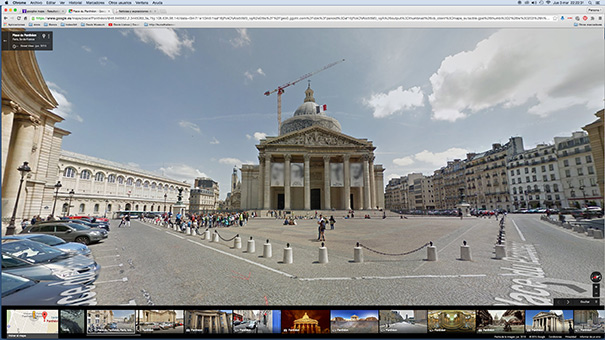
165	195
57	187
23	169
583	194
71	195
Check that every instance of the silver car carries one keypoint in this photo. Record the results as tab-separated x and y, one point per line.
70	232
38	261
55	242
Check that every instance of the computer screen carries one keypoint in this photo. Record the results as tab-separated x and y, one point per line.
392	169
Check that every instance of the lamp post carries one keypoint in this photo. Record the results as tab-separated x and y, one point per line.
71	195
23	169
583	194
57	187
165	195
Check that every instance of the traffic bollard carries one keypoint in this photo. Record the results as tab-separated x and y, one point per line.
251	246
357	254
288	257
215	237
237	242
465	252
323	254
267	250
188	231
431	252
500	251
207	235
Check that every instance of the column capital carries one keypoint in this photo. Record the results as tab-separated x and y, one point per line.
261	159
288	157
346	157
326	158
26	117
268	157
307	157
365	157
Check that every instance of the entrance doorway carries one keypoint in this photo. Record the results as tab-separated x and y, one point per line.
315	199
351	200
280	201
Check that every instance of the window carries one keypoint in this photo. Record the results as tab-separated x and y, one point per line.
513	181
580	172
588	159
108	207
557	197
549	197
534	178
514	191
545	178
99	177
590	170
578	161
518	171
47	229
527	179
567	173
69	172
526	170
129	181
566	162
120	180
138	183
82	207
85	174
62	228
533	170
111	178
543	167
552	177
593	182
512	172
551	167
96	208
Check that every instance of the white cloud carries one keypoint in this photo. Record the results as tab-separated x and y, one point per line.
65	107
248	136
257	135
391	176
189	125
133	164
230	161
242	38
397	100
214	141
260	71
103	61
512	68
86	48
181	172
170	41
404	161
250	75
440	159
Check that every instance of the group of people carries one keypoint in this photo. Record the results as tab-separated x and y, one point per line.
196	221
321	229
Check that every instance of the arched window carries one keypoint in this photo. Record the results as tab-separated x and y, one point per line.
514	191
129	181
146	184
85	174
111	178
138	183
145	207
82	207
64	210
96	208
120	179
108	207
153	185
69	172
99	177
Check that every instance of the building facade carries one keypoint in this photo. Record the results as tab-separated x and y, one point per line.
29	134
312	165
157	316
597	141
103	187
577	170
208	321
99	318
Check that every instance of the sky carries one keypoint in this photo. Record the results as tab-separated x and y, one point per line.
186	103
346	314
529	314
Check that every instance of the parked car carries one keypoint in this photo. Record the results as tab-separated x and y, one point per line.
89	218
21	291
90	224
251	325
236	322
38	261
70	232
53	241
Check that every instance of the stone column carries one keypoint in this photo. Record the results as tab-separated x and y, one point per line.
8	115
373	202
261	182
288	158
347	188
307	182
21	151
366	183
327	203
267	188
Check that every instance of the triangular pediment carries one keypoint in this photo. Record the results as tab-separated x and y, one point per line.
315	136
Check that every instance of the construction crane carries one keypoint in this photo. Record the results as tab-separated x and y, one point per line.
280	90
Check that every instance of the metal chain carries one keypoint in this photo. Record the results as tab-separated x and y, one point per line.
401	254
219	235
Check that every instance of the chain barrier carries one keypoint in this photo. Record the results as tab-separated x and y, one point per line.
401	254
231	239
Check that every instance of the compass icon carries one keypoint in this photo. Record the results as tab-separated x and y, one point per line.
596	277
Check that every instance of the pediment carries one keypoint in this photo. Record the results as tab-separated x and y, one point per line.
316	136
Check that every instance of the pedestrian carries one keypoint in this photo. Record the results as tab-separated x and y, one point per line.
332	221
322	230
127	220
23	224
122	222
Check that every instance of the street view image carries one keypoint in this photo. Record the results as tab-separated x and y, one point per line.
501	321
403	321
184	167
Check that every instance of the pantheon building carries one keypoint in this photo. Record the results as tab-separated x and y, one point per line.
312	165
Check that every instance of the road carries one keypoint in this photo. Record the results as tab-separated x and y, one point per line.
403	327
147	264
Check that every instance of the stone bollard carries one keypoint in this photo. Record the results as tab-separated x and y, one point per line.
590	232
580	229
207	235
251	247
288	258
323	254
598	234
237	242
500	251
357	254
188	231
431	252
215	237
465	252
175	228
267	250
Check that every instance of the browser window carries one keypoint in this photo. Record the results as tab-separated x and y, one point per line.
375	169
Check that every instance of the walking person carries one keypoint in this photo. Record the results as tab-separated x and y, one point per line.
127	220
122	222
319	220
322	230
332	221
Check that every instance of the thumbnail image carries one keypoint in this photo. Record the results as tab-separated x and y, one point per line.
209	321
549	321
403	321
114	321
159	321
500	321
354	321
256	321
41	322
589	321
305	321
72	321
451	320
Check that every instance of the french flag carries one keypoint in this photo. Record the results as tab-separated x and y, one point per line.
321	108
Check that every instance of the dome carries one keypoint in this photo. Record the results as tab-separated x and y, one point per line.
307	115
